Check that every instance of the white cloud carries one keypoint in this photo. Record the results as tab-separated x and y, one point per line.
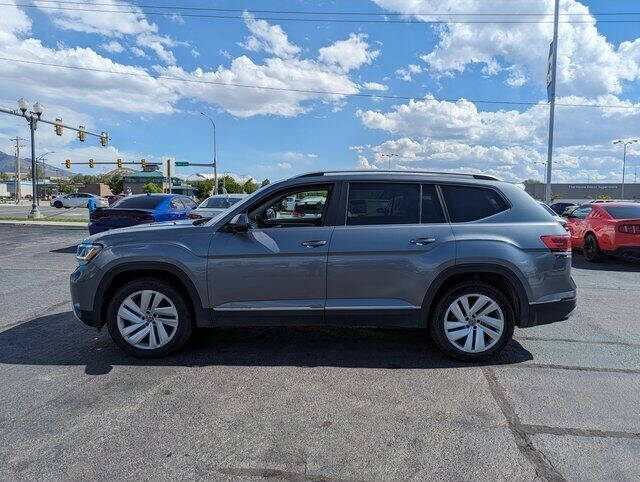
138	52
406	73
269	38
285	165
114	25
113	46
588	64
348	54
375	86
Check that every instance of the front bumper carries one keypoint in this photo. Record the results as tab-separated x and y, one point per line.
551	312
83	285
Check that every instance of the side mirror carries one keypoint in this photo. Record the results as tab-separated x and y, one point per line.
239	223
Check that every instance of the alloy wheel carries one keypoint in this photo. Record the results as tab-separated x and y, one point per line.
474	323
147	319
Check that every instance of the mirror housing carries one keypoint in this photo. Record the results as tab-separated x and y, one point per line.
238	224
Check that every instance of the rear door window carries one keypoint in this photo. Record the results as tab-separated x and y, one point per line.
431	208
139	202
383	203
471	203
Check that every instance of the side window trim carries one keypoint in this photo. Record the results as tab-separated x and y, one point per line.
436	188
443	204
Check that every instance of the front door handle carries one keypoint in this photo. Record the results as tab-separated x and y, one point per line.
313	244
423	241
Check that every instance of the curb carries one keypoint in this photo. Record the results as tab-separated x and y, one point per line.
26	222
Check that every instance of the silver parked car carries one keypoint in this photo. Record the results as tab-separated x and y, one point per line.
77	200
214	205
465	257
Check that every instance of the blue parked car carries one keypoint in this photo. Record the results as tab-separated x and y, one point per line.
141	209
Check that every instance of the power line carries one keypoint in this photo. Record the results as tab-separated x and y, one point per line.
303	91
317	20
315	12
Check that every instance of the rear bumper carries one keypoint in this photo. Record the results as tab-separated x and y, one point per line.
545	313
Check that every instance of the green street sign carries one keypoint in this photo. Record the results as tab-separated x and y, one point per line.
182	163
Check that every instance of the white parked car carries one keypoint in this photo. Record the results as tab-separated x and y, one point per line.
214	205
77	200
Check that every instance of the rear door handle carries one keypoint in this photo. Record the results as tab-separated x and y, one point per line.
313	244
423	241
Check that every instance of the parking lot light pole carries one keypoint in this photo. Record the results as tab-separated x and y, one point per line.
215	159
624	157
32	119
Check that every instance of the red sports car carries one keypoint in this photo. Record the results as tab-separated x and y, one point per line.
606	228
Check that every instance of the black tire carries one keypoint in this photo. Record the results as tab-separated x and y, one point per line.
57	204
185	320
437	322
591	249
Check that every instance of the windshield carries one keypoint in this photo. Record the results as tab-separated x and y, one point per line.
139	202
219	202
624	212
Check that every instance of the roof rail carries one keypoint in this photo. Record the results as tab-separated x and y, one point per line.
387	171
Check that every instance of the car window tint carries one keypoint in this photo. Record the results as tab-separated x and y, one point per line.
308	209
623	212
139	202
469	203
383	203
188	203
431	208
581	213
176	203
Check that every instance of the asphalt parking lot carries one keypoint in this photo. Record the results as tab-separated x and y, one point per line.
311	404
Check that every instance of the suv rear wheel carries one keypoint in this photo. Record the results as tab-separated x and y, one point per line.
149	318
472	321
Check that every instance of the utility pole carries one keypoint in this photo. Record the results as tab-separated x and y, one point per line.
551	95
17	140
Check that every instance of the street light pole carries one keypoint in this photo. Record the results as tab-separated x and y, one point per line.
389	156
32	118
215	157
42	157
624	158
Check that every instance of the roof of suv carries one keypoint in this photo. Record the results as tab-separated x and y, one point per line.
391	173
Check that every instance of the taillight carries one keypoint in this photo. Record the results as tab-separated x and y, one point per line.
557	242
194	216
629	228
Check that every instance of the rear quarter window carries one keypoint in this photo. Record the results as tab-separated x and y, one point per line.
470	203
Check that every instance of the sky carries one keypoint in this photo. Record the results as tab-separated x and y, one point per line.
296	92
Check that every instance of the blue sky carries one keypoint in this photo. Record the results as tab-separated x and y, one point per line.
275	134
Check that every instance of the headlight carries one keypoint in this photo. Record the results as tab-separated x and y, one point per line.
86	252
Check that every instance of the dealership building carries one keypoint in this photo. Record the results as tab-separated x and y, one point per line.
586	191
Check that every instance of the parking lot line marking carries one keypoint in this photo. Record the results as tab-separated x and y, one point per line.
541	464
570	340
577	368
578	432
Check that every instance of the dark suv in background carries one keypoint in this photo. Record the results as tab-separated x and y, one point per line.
466	257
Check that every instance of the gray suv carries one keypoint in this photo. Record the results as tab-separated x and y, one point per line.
466	257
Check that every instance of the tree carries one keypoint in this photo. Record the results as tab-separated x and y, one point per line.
531	181
115	183
151	187
6	176
229	184
250	186
203	188
264	183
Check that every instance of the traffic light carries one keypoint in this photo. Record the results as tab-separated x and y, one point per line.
143	163
91	163
104	139
58	127
67	163
81	133
119	163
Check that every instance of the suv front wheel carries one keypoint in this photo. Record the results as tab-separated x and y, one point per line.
149	318
472	321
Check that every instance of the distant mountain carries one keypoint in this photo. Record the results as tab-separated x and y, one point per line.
8	164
